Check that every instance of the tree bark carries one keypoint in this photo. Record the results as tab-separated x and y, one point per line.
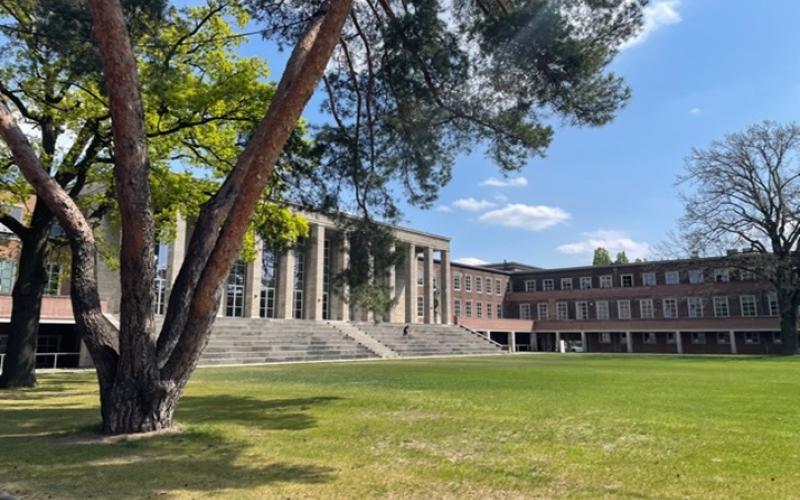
788	310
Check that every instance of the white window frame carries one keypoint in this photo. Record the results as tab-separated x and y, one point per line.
605	337
498	286
585	283
719	302
695	307
602	310
53	271
649	278
562	311
542	311
489	311
479	310
467	282
478	284
488	282
648	311
665	306
746	275
581	310
457	308
548	285
606	281
622	280
566	281
772	304
530	285
420	306
672	277
696	276
499	311
754	304
524	311
624	312
468	309
722	275
457	282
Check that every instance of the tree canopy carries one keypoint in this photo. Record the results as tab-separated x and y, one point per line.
601	257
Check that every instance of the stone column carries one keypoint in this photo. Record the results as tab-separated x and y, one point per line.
395	313
534	342
444	288
512	341
678	342
315	273
342	309
252	283
283	302
733	341
583	342
411	284
558	341
629	340
427	286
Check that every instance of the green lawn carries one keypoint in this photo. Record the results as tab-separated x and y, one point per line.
514	426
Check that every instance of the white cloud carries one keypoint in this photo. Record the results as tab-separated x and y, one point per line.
472	205
471	261
695	111
501	183
443	208
613	241
530	217
657	14
501	197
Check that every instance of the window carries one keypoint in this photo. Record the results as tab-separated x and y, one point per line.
777	338
269	282
671	339
698	338
723	338
695	307
586	282
499	311
626	281
234	298
695	276
672	277
649	279
457	281
488	285
542	311
299	278
605	338
508	286
159	283
748	303
752	338
649	338
420	274
468	283
478	284
566	283
524	311
530	285
498	287
457	308
327	289
772	301
602	309
468	308
562	311
606	281
547	285
747	275
582	310
489	311
53	284
478	310
624	309
7	268
14	212
721	275
721	309
646	309
670	308
420	306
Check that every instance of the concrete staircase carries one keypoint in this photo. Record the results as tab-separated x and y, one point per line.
430	340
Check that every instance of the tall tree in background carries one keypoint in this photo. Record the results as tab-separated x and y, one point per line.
601	257
745	192
622	258
200	99
409	85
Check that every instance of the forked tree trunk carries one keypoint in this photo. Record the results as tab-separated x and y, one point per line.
131	406
788	309
19	366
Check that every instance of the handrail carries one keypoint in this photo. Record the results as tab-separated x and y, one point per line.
54	355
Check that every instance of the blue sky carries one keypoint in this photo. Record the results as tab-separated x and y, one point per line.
700	69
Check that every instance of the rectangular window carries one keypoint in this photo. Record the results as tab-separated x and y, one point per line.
698	338
582	310
606	281
542	311
7	268
723	338
626	281
269	281
649	279
746	275
530	285
420	306
752	338
772	301
488	285
605	338
467	282
53	285
777	338
624	309
478	284
234	305
649	338
646	309
672	277
489	311
468	308
748	303
722	275
457	281
695	276
420	274
299	252
562	311
670	308
671	339
524	311
695	307
566	283
14	212
586	282
457	308
498	287
499	311
547	285
478	310
602	309
721	309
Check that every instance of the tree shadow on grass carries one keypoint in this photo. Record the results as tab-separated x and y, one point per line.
200	459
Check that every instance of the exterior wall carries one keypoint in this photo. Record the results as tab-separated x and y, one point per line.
489	301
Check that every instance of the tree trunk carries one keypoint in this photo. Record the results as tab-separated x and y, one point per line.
133	406
19	367
788	326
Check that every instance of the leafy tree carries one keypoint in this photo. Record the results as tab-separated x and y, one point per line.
621	258
409	84
745	192
601	257
201	99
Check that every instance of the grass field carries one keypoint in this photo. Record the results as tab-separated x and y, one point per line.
515	426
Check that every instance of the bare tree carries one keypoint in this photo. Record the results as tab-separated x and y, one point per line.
744	191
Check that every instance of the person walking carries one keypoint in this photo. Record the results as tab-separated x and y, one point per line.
406	330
